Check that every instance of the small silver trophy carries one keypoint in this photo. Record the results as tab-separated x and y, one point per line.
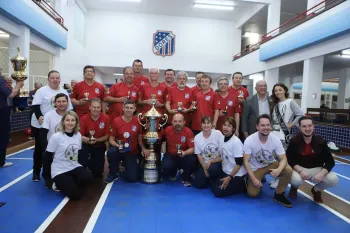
180	106
120	145
178	147
92	133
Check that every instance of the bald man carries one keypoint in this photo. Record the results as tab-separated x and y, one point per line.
255	106
179	151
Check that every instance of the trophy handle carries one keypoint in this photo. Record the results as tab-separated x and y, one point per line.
165	118
139	118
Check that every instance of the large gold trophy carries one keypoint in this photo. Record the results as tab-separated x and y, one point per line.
151	121
19	65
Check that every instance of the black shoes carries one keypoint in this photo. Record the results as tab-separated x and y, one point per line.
280	198
36	177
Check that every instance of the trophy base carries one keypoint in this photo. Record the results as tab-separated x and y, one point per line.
151	176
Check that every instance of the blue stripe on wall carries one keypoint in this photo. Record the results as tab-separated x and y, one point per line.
19	12
323	88
307	35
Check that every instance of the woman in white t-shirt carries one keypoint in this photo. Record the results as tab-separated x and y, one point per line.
285	114
206	147
69	176
232	177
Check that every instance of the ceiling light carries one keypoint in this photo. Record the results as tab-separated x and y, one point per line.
4	35
346	55
191	78
346	52
219	3
132	0
216	7
117	74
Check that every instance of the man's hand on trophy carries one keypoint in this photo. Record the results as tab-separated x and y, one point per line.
83	101
20	84
145	152
122	99
173	111
41	120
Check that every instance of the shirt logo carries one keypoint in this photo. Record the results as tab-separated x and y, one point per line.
160	92
207	97
187	95
134	128
142	82
97	90
218	101
133	94
183	139
230	103
102	125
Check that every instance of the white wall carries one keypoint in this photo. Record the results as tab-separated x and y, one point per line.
116	39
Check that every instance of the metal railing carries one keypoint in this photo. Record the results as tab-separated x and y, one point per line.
297	20
50	11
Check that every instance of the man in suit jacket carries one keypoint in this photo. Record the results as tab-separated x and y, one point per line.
254	106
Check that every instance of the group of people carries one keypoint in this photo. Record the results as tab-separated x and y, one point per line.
220	139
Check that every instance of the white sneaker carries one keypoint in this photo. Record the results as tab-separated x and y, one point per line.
274	183
54	188
332	146
7	164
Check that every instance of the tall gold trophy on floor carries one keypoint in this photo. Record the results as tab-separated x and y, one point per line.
151	123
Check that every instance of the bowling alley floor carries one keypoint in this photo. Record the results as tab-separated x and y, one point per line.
167	207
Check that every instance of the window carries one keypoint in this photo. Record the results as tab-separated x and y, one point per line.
80	25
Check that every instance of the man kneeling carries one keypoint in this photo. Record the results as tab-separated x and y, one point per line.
259	149
309	156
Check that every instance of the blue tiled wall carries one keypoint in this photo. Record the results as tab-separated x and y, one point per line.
337	134
20	121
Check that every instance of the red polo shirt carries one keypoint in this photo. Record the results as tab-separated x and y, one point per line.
140	80
146	92
232	104
100	126
173	138
175	96
205	107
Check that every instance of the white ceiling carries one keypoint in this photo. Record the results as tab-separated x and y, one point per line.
182	8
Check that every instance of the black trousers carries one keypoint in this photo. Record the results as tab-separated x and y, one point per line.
200	181
237	185
5	133
171	163
40	147
132	167
72	183
93	157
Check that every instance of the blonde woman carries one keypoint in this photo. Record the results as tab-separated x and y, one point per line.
63	147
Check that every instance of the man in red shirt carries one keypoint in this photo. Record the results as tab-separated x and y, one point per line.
153	88
236	88
205	104
225	105
179	99
86	90
121	92
179	146
169	77
197	88
94	129
139	79
124	141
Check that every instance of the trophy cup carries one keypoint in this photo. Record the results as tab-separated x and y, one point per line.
151	123
194	105
92	133
225	111
120	145
241	94
129	95
86	94
178	147
180	106
19	65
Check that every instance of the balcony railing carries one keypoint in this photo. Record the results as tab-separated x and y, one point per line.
50	11
297	20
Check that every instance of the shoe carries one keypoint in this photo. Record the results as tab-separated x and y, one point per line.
111	178
54	188
7	164
36	177
172	178
332	146
280	198
187	183
274	183
48	184
317	195
293	192
263	180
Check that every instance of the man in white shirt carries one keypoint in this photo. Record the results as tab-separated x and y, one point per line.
259	150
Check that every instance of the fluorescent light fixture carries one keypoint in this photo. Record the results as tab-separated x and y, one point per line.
191	78
345	52
252	36
3	35
345	55
218	3
132	0
117	74
215	7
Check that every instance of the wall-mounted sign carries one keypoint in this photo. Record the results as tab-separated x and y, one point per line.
163	43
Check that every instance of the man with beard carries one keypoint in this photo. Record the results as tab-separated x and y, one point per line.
311	159
259	149
179	146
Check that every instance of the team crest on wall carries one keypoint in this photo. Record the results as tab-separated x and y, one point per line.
163	43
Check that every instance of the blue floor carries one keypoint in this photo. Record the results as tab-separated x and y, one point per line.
168	207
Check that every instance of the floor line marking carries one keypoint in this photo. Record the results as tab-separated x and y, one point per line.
342	163
330	193
345	177
15	181
94	216
326	207
21	158
341	158
28	148
52	216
